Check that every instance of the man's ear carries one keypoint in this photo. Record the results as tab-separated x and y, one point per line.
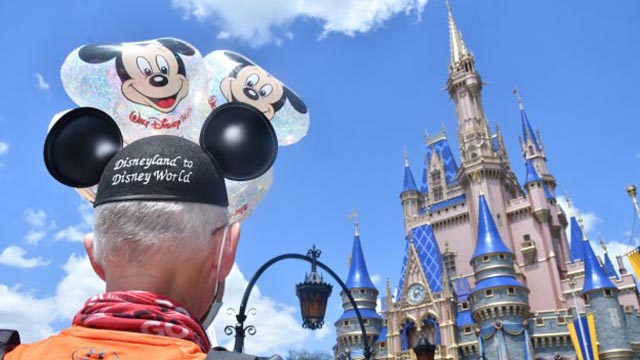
229	250
88	245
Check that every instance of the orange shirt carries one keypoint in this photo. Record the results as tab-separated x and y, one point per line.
81	343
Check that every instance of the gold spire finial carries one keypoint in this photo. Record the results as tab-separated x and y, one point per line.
406	157
604	246
517	94
356	222
581	223
458	49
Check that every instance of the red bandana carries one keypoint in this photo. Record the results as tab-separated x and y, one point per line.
142	312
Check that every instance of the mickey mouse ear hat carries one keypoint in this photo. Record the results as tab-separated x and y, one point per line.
85	148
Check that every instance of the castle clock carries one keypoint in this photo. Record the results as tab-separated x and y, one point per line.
415	294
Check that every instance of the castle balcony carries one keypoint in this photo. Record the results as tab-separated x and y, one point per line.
529	251
517	205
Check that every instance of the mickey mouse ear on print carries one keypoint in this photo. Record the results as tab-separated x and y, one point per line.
85	147
235	78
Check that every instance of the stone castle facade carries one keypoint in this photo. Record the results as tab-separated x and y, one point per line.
488	270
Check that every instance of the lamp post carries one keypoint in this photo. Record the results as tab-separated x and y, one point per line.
313	294
632	190
424	350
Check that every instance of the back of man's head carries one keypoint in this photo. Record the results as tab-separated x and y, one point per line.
143	232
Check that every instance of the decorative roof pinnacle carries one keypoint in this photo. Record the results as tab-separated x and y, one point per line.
602	244
406	157
517	94
581	223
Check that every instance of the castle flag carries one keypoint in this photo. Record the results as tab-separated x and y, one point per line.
634	259
584	338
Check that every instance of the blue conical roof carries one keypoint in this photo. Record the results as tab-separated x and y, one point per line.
429	254
489	240
527	130
358	274
609	269
577	249
594	276
409	183
532	174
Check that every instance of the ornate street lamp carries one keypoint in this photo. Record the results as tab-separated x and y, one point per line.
313	294
424	350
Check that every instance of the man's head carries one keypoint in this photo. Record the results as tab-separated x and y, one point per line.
176	249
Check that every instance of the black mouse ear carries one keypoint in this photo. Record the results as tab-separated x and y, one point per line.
240	139
80	145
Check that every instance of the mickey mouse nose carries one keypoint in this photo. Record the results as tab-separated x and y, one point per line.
250	93
158	80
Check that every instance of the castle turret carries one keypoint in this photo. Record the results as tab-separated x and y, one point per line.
537	192
532	148
499	301
601	297
365	294
609	269
409	197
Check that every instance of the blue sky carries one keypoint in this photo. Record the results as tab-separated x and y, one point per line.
371	74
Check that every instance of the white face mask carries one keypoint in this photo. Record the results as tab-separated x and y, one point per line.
216	304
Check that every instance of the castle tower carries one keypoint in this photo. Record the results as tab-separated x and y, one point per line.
532	147
609	269
366	296
499	302
601	297
409	197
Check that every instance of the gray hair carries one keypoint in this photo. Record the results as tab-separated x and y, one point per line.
134	230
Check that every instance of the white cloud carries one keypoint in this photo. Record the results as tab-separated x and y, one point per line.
15	256
4	148
33	317
33	237
261	22
75	233
23	312
278	325
40	224
589	219
42	83
375	278
70	233
35	218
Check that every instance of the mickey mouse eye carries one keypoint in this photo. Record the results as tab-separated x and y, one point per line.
144	66
163	65
252	80
266	90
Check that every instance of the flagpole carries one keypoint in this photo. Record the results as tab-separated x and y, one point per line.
633	192
576	306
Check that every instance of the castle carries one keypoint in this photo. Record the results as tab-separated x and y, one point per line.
488	271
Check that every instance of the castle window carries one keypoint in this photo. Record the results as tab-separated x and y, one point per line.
385	322
465	305
345	323
530	150
499	219
467	330
485	258
383	345
437	193
561	320
511	291
608	293
362	291
489	293
449	260
539	321
365	321
501	257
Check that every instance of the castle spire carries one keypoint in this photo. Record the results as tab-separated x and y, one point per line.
532	174
409	182
577	249
358	273
489	240
609	269
458	48
594	276
528	135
